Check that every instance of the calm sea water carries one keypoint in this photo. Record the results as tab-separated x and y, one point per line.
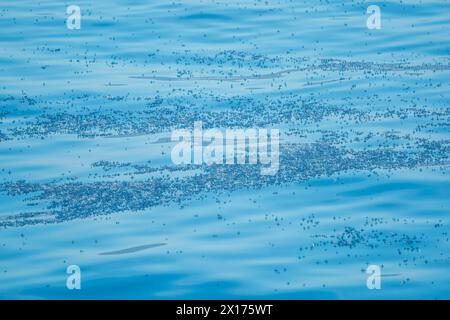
86	176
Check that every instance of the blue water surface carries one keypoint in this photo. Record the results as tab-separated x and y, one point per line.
86	176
